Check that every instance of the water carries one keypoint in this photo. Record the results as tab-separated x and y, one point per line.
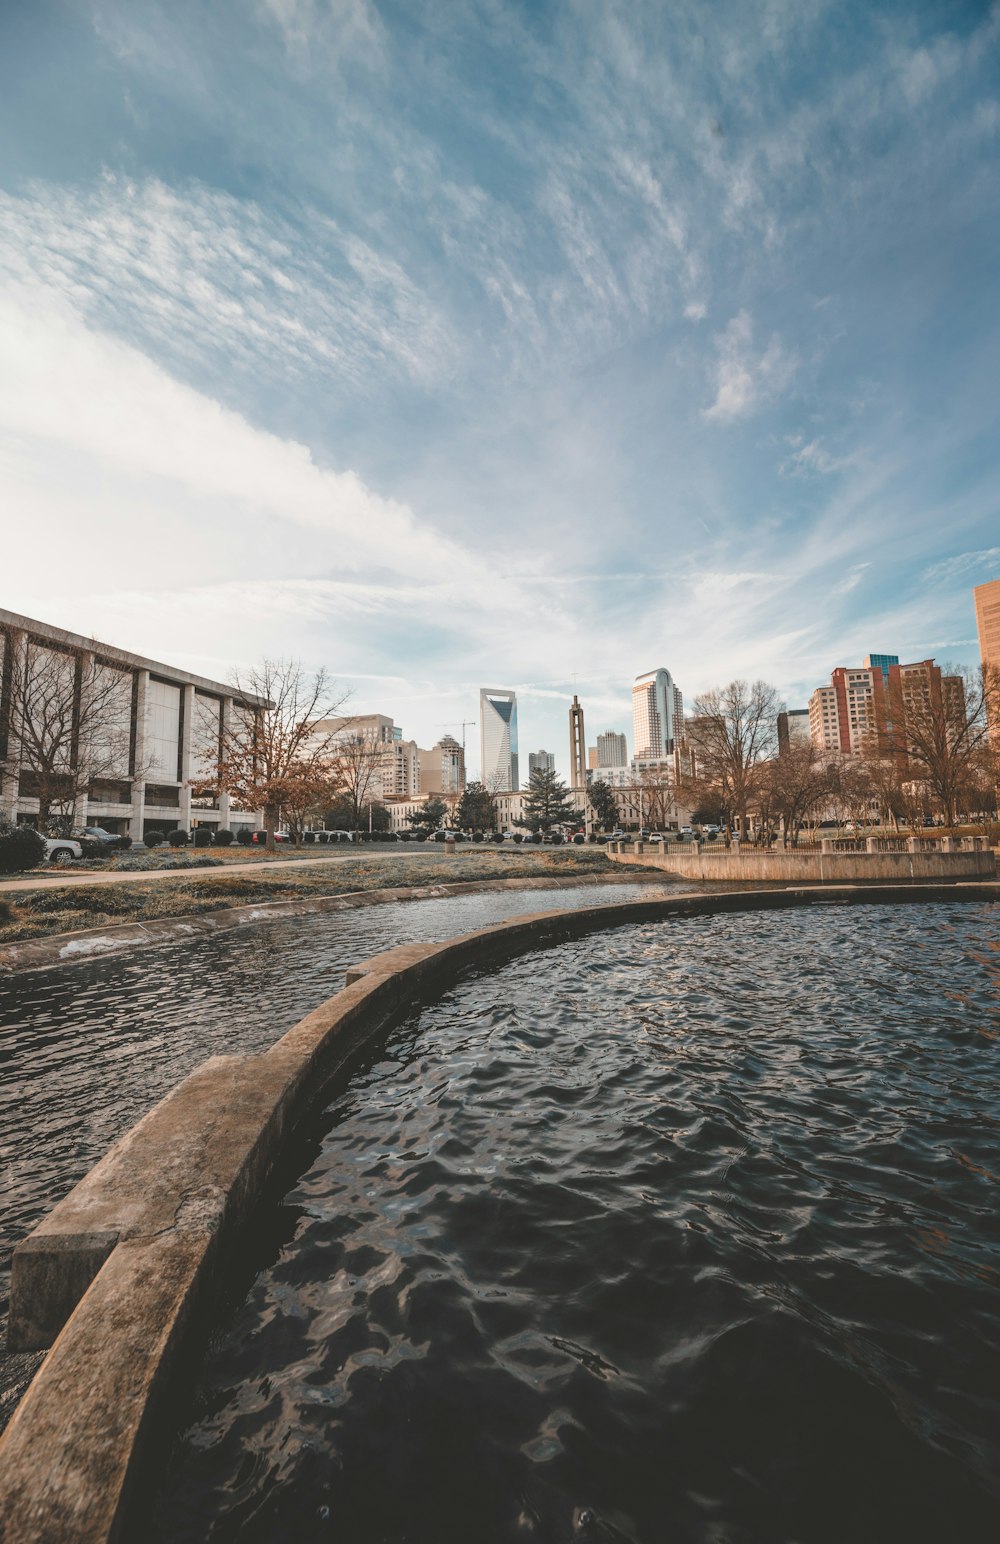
87	1049
685	1232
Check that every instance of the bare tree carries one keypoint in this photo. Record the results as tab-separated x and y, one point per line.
359	761
272	754
654	787
69	724
734	731
791	786
883	774
942	720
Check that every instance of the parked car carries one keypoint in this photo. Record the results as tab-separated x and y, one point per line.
97	843
62	849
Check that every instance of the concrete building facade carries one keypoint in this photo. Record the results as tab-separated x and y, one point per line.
541	761
793	729
442	768
612	750
577	746
160	730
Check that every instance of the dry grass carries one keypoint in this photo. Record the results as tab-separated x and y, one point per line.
43	913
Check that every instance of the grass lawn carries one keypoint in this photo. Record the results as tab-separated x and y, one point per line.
42	913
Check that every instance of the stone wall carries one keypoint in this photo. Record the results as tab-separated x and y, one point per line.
756	866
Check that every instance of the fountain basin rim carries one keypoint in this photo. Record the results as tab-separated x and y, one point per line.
124	1269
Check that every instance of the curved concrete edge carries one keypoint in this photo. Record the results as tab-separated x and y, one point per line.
143	1235
94	942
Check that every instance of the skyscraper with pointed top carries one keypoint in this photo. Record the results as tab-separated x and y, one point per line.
498	739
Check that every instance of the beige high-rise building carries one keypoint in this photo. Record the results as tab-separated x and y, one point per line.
987	598
612	750
442	768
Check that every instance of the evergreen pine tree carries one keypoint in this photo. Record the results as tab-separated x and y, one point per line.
548	803
604	805
475	809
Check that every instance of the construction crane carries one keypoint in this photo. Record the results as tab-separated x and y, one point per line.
466	722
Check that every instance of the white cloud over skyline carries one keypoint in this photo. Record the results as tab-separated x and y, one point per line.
524	345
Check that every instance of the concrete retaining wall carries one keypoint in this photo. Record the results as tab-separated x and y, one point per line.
808	868
124	1268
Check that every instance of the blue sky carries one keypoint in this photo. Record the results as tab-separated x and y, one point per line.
534	345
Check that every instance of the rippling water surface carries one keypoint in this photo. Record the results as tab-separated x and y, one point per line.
86	1050
688	1232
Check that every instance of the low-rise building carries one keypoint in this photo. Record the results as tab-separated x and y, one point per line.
133	767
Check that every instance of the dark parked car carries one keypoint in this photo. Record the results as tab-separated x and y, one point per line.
97	843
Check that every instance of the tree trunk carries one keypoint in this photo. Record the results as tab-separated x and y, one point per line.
270	823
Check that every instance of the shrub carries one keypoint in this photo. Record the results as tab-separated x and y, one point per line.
6	912
536	836
243	836
21	847
202	836
154	838
477	836
309	838
223	837
519	836
178	838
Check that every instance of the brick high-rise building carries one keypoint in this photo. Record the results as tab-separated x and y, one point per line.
866	707
987	599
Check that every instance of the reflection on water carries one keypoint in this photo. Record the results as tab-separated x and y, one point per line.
686	1232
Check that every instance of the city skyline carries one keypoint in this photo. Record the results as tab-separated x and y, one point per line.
675	340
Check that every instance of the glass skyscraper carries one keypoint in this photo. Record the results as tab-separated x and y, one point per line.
498	740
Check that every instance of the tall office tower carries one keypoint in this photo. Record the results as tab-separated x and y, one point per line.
793	728
577	746
678	713
541	761
612	750
987	598
654	700
498	739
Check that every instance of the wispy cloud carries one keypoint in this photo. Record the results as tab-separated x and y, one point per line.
745	377
985	563
813	458
197	275
851	579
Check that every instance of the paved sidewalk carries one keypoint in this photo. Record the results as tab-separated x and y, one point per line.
52	878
